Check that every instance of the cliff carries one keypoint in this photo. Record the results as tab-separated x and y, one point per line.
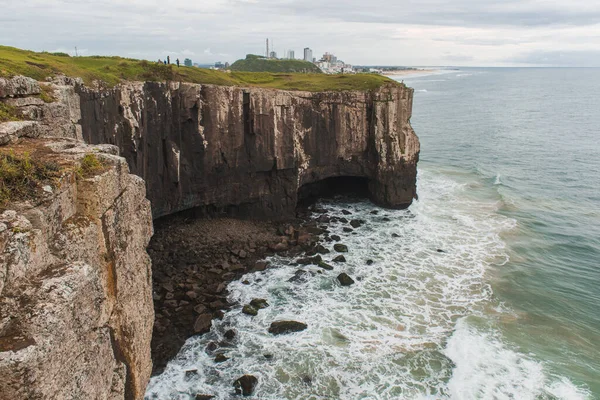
76	310
75	280
248	151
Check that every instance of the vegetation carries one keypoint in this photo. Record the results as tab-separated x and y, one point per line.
112	70
90	166
22	177
8	113
254	63
47	94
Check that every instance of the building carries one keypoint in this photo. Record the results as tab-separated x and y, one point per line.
273	54
187	62
291	55
308	54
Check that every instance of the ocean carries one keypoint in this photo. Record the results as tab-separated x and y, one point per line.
487	287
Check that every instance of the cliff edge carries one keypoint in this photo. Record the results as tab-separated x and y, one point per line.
76	309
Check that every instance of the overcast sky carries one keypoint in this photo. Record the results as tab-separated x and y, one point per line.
383	32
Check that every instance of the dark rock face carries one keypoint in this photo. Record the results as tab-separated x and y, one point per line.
245	385
345	280
248	151
283	327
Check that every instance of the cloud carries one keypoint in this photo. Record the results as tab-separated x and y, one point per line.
396	32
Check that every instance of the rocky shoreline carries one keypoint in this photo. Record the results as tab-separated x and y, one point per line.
194	260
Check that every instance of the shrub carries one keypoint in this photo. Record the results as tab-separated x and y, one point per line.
22	177
90	166
8	113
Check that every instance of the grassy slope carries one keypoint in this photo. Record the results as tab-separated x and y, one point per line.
254	63
112	70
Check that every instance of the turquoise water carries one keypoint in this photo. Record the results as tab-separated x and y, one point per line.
509	191
533	137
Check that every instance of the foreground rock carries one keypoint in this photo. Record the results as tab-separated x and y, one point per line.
340	248
284	327
245	385
75	284
345	279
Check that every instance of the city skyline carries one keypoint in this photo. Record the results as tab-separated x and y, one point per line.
435	32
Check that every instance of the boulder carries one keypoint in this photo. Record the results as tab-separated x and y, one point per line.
249	310
11	131
220	357
336	238
346	212
229	334
321	249
204	397
259	304
345	280
356	223
340	248
324	265
284	327
369	262
340	258
18	86
348	230
245	385
203	323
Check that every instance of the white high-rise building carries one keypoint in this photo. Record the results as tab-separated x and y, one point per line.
291	55
308	56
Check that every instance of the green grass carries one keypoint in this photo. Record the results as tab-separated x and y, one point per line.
8	113
112	70
90	166
21	177
253	63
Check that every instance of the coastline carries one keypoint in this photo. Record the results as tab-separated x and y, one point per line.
411	72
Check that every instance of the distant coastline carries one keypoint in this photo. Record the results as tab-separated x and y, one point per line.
403	72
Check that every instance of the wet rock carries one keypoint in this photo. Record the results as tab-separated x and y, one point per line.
246	282
203	323
268	356
284	327
336	238
259	304
321	249
357	223
324	265
303	261
340	248
219	358
190	374
440	251
346	212
369	262
300	276
324	219
261	265
345	280
385	219
314	230
245	385
340	258
348	230
229	334
204	397
343	220
249	310
211	346
307	380
375	212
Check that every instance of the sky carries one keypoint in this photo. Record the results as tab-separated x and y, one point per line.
360	32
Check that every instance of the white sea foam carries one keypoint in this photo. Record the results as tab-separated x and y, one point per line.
487	369
384	337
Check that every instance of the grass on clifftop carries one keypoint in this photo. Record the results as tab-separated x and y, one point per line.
112	70
22	176
253	63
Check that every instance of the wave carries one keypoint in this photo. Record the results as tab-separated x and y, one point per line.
394	334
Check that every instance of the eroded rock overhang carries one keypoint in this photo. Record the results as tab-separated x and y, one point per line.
247	151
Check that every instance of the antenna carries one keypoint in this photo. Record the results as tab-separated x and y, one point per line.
267	48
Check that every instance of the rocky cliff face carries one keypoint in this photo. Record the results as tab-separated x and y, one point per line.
248	151
76	309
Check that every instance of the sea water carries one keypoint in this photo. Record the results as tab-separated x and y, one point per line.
487	287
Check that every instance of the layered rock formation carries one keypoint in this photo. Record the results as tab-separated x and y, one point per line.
247	151
76	309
